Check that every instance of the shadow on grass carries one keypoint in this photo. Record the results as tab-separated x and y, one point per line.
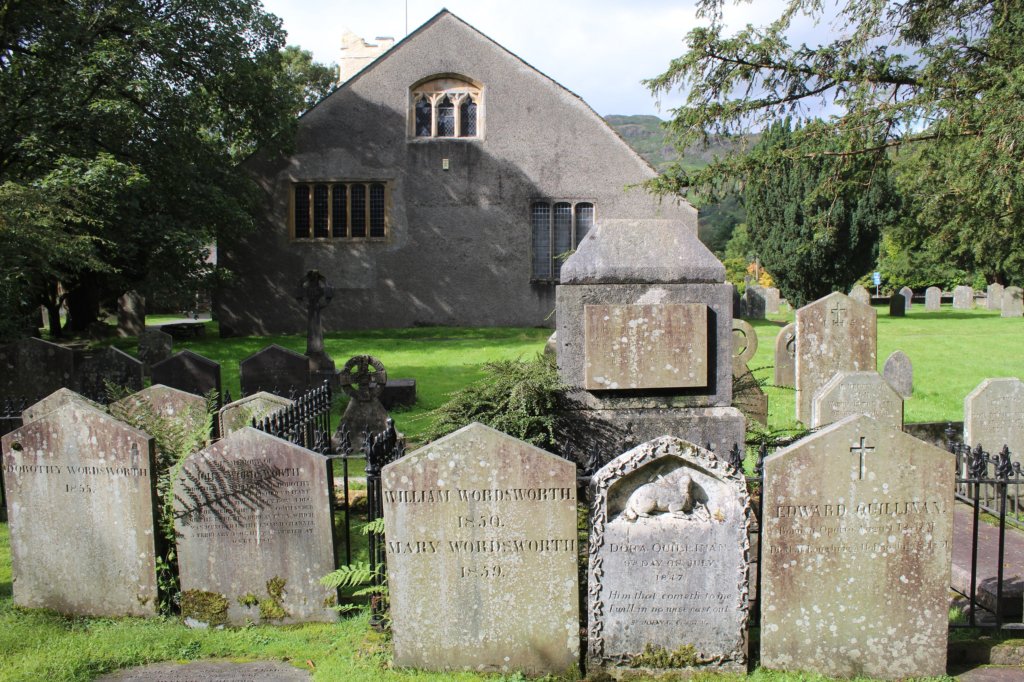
6	589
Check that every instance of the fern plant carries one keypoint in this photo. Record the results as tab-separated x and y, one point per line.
362	579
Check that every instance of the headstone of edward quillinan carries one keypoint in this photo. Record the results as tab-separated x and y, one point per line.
994	416
1013	302
856	553
645	339
131	314
933	299
243	411
833	334
34	368
277	370
899	372
850	393
897	305
963	298
252	513
908	294
109	366
481	540
994	296
860	294
189	372
80	493
785	356
163	401
57	399
211	671
669	568
154	346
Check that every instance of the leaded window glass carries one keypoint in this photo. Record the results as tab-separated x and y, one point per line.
584	221
320	214
301	211
557	228
446	106
424	113
467	118
445	118
540	216
340	210
562	235
376	210
358	199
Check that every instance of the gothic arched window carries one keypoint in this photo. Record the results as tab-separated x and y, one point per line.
446	106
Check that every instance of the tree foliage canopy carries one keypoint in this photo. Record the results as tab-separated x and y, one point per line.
941	81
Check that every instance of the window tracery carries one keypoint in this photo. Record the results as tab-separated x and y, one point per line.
446	107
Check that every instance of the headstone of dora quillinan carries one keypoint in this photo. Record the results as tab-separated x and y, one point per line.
669	528
80	496
856	553
481	541
252	514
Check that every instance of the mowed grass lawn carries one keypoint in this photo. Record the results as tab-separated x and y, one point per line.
952	352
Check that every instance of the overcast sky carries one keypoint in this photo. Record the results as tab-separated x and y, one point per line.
599	49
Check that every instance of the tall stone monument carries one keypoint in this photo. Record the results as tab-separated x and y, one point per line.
833	334
645	338
481	543
669	548
856	553
316	293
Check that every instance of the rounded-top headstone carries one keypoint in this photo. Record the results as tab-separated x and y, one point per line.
994	296
908	294
785	356
899	372
1012	302
932	299
744	341
963	298
860	294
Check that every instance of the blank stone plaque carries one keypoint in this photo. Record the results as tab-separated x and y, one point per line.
631	347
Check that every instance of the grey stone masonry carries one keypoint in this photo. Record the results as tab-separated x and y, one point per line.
899	372
80	491
963	298
932	299
56	400
856	553
481	540
669	560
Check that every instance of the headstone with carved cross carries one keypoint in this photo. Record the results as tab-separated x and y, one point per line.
856	553
833	334
363	379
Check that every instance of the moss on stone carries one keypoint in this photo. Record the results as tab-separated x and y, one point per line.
658	657
206	607
248	599
272	608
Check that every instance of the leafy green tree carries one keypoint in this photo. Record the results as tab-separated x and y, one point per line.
122	126
942	76
812	239
311	80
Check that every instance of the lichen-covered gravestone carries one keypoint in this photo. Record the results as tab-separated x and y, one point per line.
856	547
211	671
276	370
860	294
994	296
162	401
480	532
849	393
994	416
668	561
34	368
899	372
833	334
109	366
242	412
189	372
908	295
754	304
253	518
80	495
932	299
963	298
1013	302
55	400
785	356
154	346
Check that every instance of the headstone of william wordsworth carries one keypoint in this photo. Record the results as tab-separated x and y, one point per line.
481	540
785	356
80	495
1013	302
856	553
994	296
669	550
252	513
963	298
189	372
899	372
933	299
994	416
277	370
857	393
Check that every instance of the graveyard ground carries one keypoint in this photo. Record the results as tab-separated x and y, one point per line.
952	352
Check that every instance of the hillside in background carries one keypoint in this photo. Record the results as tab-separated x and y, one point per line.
646	135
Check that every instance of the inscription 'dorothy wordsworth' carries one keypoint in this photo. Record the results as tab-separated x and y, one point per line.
630	347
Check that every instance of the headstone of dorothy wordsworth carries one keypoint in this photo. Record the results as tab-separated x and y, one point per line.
54	401
963	298
932	299
669	551
80	495
856	553
252	514
480	533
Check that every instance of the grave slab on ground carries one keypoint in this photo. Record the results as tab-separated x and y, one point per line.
211	671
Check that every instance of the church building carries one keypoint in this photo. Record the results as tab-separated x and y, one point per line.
443	184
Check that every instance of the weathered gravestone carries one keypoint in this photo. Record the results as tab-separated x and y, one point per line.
897	305
908	294
899	372
1013	302
109	366
551	345
480	532
744	342
363	379
154	346
856	548
162	401
80	495
252	513
833	334
34	368
668	572
754	304
860	294
994	296
852	393
211	671
57	399
963	298
785	356
932	299
276	370
242	412
189	372
131	314
771	300
316	293
994	416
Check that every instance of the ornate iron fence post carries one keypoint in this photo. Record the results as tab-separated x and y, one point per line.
380	449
